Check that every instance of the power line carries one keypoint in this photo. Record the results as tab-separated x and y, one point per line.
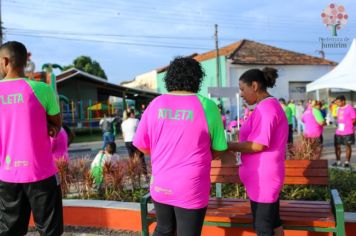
143	36
111	42
197	22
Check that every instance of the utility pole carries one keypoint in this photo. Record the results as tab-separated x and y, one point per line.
217	57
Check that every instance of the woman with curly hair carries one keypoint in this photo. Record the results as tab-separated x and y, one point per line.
262	143
182	131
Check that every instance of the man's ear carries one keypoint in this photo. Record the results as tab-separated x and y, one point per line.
6	61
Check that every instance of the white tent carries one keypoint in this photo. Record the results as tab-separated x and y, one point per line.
343	76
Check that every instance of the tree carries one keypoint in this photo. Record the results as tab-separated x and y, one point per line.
335	17
86	64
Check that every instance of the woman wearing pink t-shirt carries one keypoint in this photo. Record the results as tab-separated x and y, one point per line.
181	131
262	143
313	122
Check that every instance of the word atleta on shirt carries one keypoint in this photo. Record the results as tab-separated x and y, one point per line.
25	150
11	99
180	131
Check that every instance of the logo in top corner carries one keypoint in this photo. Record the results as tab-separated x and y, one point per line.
334	17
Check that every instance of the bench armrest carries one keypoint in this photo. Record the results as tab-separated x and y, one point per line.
336	201
338	208
144	214
146	198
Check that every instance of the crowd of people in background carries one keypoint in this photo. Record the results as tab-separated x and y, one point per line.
111	127
308	118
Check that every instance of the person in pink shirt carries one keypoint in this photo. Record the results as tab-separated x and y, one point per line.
60	143
262	143
182	131
313	122
345	131
28	176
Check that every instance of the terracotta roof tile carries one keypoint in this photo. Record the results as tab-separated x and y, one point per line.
250	52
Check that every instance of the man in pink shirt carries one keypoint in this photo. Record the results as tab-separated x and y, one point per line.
28	177
345	131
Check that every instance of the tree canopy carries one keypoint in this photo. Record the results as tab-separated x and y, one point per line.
86	64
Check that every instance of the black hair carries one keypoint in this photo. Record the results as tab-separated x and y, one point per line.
112	147
282	100
184	74
129	113
17	53
70	134
341	98
266	77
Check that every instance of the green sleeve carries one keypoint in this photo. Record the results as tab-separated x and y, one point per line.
215	124
288	112
318	116
46	96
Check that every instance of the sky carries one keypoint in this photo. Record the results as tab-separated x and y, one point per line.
129	38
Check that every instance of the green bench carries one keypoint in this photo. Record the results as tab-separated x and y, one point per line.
318	216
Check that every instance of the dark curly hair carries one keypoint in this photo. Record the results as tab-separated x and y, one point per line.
184	74
266	77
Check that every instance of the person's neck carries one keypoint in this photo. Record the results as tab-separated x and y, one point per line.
181	92
14	75
262	96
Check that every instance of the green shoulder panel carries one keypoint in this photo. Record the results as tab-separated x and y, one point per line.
46	96
318	116
215	125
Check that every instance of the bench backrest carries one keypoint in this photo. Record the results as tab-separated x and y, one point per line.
297	172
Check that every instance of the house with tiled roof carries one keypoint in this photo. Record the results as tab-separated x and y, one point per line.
295	69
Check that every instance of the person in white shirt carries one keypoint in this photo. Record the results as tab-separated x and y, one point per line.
298	115
97	164
128	128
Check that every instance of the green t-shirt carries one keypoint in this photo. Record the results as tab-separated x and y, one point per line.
288	113
293	108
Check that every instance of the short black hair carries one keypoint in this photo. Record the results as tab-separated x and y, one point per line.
17	53
282	100
112	147
184	74
341	98
266	77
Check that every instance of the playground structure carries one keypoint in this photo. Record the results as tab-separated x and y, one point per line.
87	114
85	98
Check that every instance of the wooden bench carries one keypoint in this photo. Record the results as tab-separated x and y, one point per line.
318	216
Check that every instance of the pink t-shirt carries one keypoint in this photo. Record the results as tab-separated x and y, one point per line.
310	119
25	149
345	117
180	131
59	145
232	125
246	113
223	118
262	173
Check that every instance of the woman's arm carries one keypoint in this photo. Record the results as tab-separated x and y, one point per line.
246	147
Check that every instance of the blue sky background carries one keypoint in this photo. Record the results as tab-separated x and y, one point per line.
132	37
